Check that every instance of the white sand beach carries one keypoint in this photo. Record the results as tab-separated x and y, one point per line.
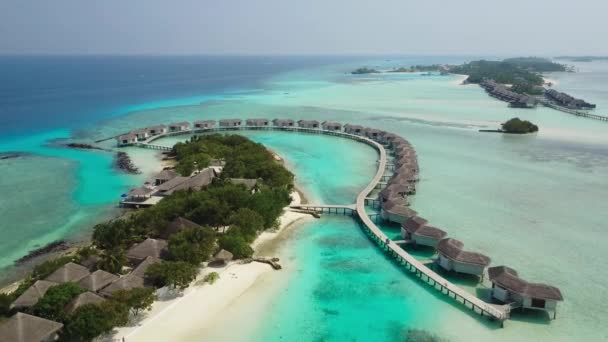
176	318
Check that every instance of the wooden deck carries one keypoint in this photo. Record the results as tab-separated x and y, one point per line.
580	113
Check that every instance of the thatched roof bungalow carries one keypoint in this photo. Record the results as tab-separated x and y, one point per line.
283	122
97	280
179	126
353	129
331	126
416	230
204	124
508	287
230	122
395	191
177	225
453	257
139	194
140	270
308	123
396	210
257	122
127	282
149	247
33	294
222	257
164	176
371	133
157	130
386	137
83	299
69	272
27	328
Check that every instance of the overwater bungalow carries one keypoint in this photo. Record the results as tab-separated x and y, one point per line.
127	282
179	126
140	270
97	280
139	194
22	327
416	230
70	272
566	100
386	137
204	124
331	126
395	210
371	133
149	247
32	295
141	134
394	191
509	288
157	130
230	122
283	122
257	122
308	123
177	225
164	176
353	129
83	299
126	139
452	257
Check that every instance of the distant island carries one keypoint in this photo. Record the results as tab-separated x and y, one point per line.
518	126
582	58
420	68
364	70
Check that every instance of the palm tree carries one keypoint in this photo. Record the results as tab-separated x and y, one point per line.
112	260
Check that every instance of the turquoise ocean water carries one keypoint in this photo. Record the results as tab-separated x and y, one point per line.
535	203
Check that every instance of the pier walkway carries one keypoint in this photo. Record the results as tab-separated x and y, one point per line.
415	266
581	113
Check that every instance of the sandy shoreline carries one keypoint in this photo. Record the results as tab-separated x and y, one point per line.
177	317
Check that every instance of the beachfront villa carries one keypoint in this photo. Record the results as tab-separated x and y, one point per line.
97	280
331	126
283	122
257	122
416	230
452	257
308	123
204	124
165	176
230	122
139	194
22	327
353	129
69	272
508	287
147	248
179	126
222	257
83	299
127	282
177	225
32	295
140	270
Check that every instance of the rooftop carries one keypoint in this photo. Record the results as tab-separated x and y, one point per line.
69	272
146	248
508	278
453	249
97	280
27	328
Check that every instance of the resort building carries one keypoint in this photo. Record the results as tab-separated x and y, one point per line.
140	194
250	184
127	282
32	295
126	139
83	299
141	134
27	328
149	247
97	280
566	100
257	122
415	229
509	288
194	183
222	257
386	137
283	122
331	126
371	133
308	123
353	129
395	190
179	126
397	211
165	176
230	122
140	270
157	130
204	124
69	272
177	225
452	257
503	93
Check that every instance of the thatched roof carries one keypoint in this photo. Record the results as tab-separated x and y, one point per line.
83	299
171	184
140	270
32	295
140	192
166	175
248	183
176	226
196	183
149	247
453	249
431	232
223	256
224	122
412	224
508	279
308	123
251	122
97	280
127	282
398	208
69	272
27	328
331	124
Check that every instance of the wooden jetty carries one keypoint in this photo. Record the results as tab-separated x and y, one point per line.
580	113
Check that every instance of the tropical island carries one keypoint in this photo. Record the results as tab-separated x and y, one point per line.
90	291
420	68
582	58
365	70
514	126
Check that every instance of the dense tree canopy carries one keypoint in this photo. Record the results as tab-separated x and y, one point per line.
518	126
177	274
52	304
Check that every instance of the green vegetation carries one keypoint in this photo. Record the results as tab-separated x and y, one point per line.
92	320
522	73
518	126
112	260
177	274
419	68
137	299
365	70
211	278
45	269
52	305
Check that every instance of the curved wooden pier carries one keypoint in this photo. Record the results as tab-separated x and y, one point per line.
418	268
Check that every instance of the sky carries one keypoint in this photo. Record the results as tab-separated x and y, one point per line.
462	27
